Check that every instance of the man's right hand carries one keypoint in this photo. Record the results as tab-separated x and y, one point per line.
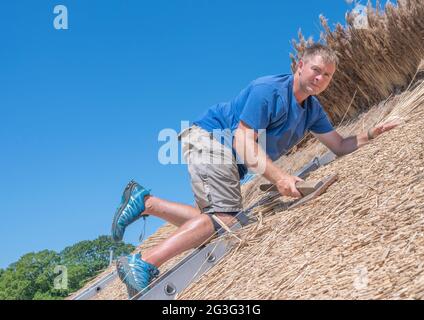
287	186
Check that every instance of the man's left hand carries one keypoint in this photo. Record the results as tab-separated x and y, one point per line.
376	131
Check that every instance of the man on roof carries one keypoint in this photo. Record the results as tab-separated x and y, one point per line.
279	108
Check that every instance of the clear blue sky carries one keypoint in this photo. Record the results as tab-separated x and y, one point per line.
81	109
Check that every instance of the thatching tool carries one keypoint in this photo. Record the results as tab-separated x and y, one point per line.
309	189
304	187
323	186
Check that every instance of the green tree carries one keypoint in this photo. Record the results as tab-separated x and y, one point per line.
33	275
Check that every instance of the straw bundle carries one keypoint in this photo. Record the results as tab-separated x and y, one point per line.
375	61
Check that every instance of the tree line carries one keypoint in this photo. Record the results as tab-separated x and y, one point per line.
51	275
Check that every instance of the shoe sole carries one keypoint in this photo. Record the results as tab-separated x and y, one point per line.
126	276
127	195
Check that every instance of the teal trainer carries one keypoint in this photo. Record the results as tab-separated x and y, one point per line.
131	209
135	273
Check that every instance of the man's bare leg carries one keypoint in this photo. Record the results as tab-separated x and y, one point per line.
190	235
173	212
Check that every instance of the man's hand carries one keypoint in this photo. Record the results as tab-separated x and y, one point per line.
376	131
287	186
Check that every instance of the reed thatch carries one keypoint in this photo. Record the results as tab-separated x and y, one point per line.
363	238
375	61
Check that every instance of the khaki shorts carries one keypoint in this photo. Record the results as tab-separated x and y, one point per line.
215	180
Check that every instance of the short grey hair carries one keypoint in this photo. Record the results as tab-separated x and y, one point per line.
318	49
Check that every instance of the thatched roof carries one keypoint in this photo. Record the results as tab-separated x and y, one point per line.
363	238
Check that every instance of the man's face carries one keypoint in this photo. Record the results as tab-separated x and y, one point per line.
315	75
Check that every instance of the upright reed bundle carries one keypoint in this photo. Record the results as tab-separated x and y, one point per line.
374	61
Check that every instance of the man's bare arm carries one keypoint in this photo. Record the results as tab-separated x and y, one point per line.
246	146
341	146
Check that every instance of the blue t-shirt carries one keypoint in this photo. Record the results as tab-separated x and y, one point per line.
269	103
